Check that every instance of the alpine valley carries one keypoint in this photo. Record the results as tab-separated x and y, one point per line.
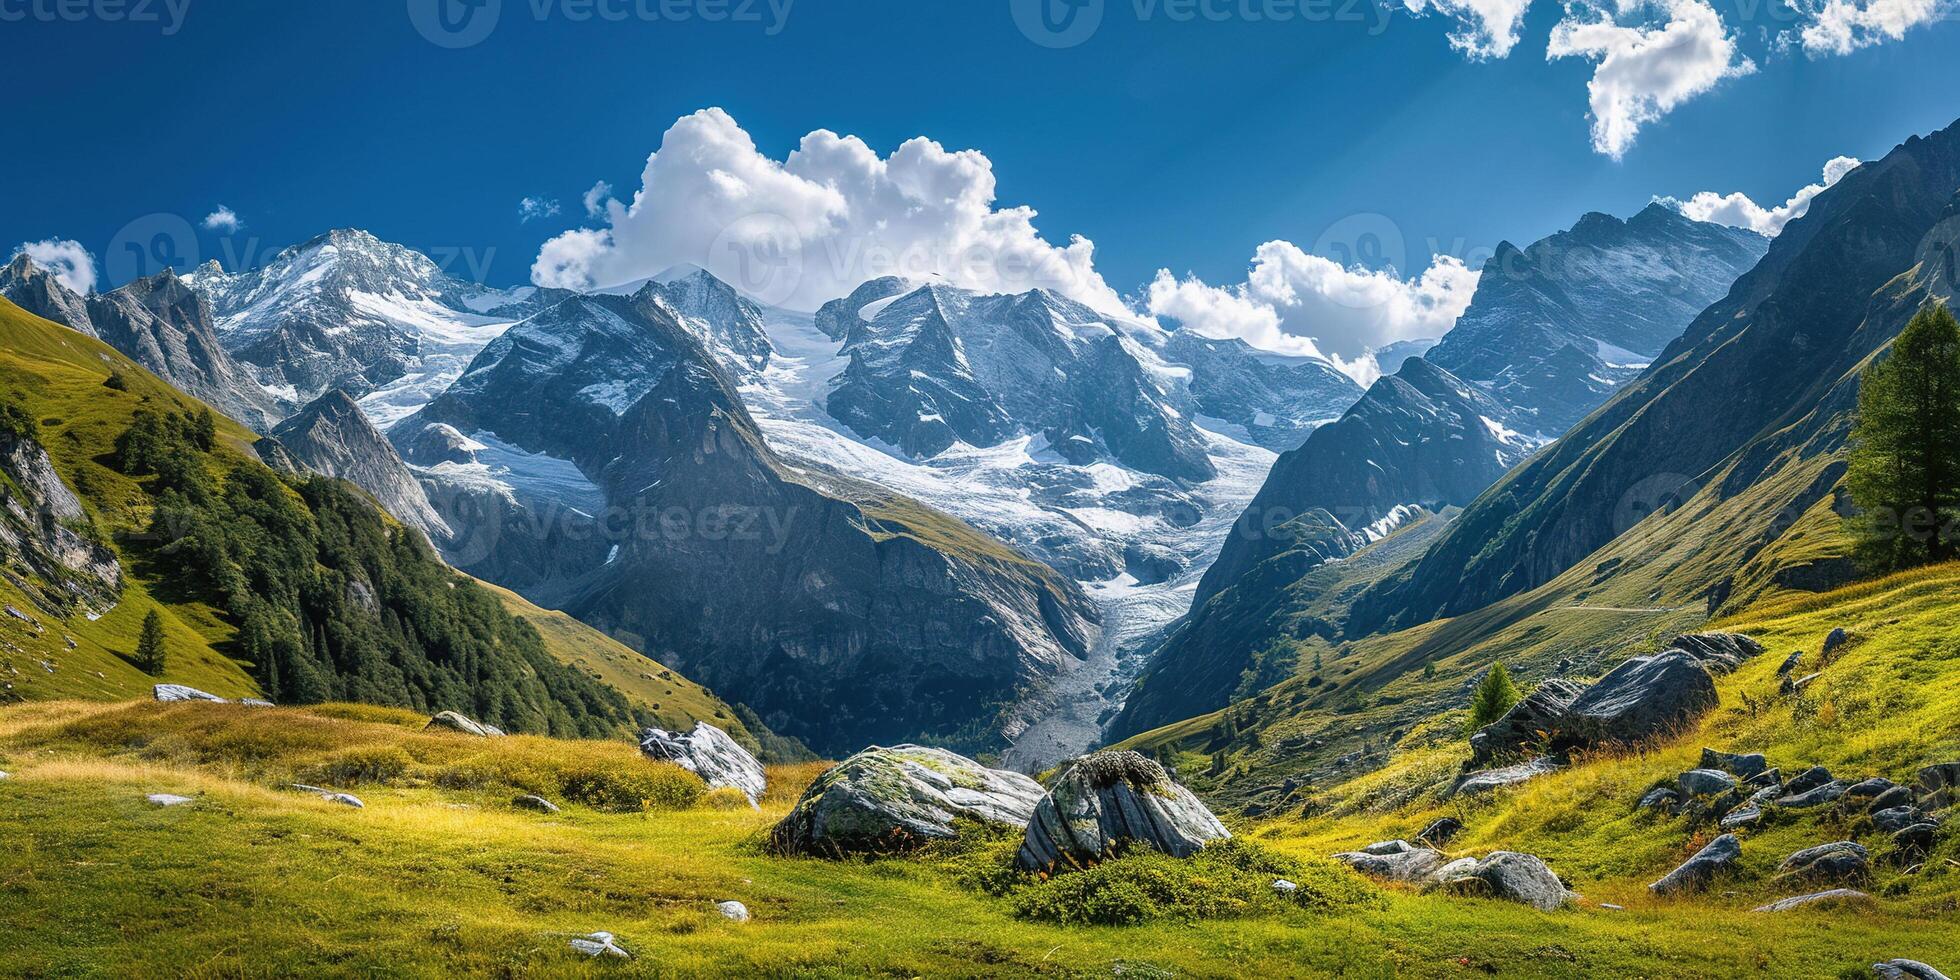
466	629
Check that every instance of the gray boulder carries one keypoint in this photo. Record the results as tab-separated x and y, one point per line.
1694	874
1110	800
1916	839
1527	723
1721	653
168	799
894	799
1870	789
1895	819
1440	832
1808	780
1836	896
1396	861
1663	798
1740	766
1828	793
1486	780
538	803
1838	861
1906	970
1940	785
1790	663
1705	782
733	911
1513	877
710	753
178	692
1897	796
1640	699
1835	641
456	721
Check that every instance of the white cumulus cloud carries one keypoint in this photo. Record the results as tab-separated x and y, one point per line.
1844	26
223	219
596	198
1737	210
1485	28
811	227
1295	302
1644	71
532	208
71	264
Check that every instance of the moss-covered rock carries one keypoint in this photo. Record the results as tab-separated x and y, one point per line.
1111	800
884	800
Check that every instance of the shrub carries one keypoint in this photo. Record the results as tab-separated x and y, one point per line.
362	764
725	798
635	786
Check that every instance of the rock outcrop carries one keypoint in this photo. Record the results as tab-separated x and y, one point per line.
710	753
178	692
1105	803
1693	875
1513	877
893	799
1396	860
1528	722
456	721
1840	861
333	437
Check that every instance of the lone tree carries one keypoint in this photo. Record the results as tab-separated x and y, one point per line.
1905	447
149	646
1495	695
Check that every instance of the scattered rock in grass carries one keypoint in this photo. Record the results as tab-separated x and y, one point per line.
1705	782
1940	785
1640	699
1837	861
1395	861
893	799
1487	780
1828	793
1834	641
1750	813
4	775
1663	798
1895	819
1790	664
710	753
456	721
1808	780
1441	832
1915	840
538	803
1740	766
1906	970
1525	725
1870	789
1110	800
1719	856
256	703
1284	887
600	943
1610	907
1836	896
168	799
1721	653
1796	685
733	911
1897	796
178	692
332	796
1513	877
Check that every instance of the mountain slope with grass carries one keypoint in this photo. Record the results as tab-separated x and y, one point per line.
195	528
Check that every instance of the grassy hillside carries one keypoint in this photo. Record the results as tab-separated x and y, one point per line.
439	875
60	377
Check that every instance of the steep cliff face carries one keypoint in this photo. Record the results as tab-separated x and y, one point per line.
840	612
1763	380
36	290
332	437
40	550
1278	399
1557	327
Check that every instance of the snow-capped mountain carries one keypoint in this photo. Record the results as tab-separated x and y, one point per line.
726	322
839	609
333	437
346	310
941	365
1556	328
1274	399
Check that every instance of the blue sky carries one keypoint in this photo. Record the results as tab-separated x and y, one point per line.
1168	142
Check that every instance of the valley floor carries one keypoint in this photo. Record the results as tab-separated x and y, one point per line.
439	875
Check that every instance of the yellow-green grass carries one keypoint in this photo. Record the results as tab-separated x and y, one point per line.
435	879
1885	706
